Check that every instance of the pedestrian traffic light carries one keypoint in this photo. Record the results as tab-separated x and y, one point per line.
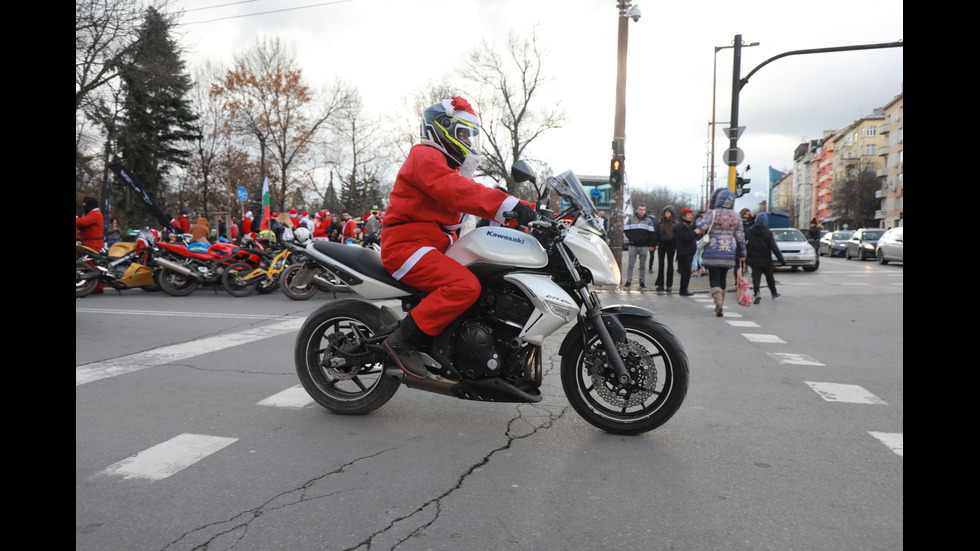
616	172
741	186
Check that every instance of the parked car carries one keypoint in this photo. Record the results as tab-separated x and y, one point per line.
833	243
796	250
889	247
862	244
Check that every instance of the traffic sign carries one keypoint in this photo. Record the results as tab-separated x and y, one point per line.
242	193
733	156
734	133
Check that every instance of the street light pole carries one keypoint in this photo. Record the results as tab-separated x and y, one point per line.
626	11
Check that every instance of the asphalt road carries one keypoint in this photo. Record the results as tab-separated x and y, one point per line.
191	433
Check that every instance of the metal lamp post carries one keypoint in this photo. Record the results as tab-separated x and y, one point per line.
626	11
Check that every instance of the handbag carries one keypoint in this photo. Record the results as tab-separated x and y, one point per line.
706	238
743	291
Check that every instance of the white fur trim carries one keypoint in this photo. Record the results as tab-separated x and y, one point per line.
508	204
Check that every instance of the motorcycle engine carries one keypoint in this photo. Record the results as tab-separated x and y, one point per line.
484	344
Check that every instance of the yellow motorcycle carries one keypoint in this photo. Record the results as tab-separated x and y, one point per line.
127	265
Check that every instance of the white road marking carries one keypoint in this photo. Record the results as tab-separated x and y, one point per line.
179	314
735	323
151	358
795	359
894	440
763	338
854	394
293	397
169	457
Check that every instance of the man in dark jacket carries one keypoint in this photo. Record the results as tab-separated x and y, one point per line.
640	230
759	248
687	245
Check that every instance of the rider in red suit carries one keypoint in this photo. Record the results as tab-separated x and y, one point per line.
431	196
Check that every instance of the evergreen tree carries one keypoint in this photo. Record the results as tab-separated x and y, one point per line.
157	117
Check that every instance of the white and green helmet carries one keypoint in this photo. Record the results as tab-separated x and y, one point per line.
452	127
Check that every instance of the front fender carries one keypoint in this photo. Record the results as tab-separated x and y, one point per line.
610	316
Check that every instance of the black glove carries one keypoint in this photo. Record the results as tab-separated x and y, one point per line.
525	214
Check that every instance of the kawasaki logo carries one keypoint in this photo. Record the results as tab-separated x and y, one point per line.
507	237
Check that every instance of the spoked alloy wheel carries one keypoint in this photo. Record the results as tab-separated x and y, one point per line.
232	281
294	274
175	284
335	368
658	365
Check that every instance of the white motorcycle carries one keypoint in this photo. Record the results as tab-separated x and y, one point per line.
622	370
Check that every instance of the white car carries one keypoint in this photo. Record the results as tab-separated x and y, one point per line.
890	247
796	250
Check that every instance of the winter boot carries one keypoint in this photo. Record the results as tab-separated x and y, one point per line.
403	346
718	295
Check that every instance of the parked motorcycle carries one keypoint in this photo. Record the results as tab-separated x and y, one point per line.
621	369
241	279
306	277
186	266
126	265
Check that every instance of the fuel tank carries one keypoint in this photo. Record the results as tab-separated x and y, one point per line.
498	245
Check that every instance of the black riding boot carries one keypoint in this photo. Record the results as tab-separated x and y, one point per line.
403	346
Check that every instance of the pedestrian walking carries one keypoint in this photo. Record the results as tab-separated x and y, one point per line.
727	247
686	240
759	250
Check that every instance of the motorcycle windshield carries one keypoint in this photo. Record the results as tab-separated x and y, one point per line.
569	188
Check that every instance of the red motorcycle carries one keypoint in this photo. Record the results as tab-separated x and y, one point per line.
186	266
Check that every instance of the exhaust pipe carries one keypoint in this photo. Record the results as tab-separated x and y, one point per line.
177	268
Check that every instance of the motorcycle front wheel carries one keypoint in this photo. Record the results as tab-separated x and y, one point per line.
175	284
232	281
335	366
657	363
286	279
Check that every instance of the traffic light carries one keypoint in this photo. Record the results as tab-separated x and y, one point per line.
741	186
616	172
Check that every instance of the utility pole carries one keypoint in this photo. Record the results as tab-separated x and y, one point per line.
617	166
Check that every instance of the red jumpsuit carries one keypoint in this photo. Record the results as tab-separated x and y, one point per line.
90	230
426	208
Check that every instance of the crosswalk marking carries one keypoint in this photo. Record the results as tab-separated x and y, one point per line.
293	397
169	457
168	354
894	440
763	338
836	392
795	359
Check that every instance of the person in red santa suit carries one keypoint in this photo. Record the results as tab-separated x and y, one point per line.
89	226
247	223
429	201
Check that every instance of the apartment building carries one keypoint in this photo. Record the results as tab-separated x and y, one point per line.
892	189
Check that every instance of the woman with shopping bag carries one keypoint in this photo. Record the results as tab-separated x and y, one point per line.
726	247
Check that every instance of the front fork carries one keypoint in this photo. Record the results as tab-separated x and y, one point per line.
595	322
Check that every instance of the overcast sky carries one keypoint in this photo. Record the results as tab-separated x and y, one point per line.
389	49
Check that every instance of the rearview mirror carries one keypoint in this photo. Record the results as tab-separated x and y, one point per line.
522	172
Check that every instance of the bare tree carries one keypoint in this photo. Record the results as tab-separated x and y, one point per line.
363	151
267	99
509	87
106	33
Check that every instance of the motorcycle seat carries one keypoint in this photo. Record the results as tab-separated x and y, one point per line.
362	261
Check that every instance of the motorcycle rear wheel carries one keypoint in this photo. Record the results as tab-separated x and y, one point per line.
174	284
354	390
662	372
296	293
84	287
232	282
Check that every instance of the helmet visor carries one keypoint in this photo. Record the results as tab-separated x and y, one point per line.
468	137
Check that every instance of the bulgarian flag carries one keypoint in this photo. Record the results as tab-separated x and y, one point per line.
266	206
